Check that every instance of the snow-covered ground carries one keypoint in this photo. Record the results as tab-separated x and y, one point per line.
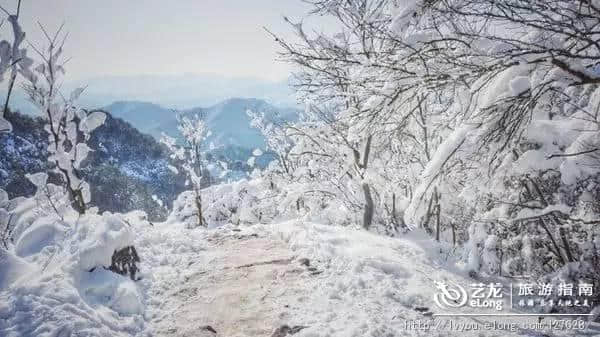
300	278
317	280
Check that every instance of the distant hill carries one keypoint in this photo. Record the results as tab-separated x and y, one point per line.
144	116
227	120
181	91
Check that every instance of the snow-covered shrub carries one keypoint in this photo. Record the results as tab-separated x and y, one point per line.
322	177
58	254
260	199
87	240
239	202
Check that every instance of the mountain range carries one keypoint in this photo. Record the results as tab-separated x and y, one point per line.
228	120
179	91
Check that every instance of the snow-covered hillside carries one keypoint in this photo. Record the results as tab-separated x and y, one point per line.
129	167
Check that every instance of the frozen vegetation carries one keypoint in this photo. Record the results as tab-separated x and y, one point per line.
443	144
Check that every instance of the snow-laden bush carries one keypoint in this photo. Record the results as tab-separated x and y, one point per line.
238	203
55	258
58	268
259	199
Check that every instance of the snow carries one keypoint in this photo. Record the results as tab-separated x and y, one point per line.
173	169
125	297
82	151
92	121
157	200
12	268
510	81
251	161
100	237
433	169
38	179
404	13
5	125
519	84
42	233
257	152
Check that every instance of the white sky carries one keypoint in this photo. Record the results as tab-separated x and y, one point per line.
130	37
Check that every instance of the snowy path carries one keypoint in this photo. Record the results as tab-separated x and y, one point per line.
231	289
254	280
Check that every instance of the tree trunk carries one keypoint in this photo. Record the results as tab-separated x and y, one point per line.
369	207
369	204
78	202
565	241
437	216
199	209
394	217
453	234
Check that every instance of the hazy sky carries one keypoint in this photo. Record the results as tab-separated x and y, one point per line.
126	37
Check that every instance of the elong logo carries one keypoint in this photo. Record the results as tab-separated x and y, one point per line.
480	296
450	296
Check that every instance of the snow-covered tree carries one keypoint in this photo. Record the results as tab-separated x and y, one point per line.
68	126
192	156
480	135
